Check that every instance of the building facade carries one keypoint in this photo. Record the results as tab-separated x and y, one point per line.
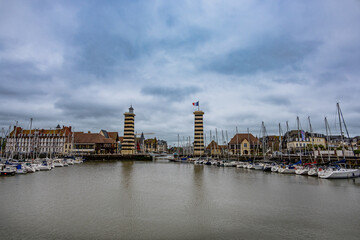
243	144
216	150
38	141
162	146
199	133
128	144
93	143
151	145
295	140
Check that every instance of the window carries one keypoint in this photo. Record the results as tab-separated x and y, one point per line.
245	144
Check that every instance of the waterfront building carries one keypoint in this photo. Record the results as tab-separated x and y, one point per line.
128	144
2	145
112	135
306	141
162	146
37	141
215	150
243	144
93	143
151	145
198	133
273	143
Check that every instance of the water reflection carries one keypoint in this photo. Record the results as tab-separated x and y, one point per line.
198	191
126	173
145	200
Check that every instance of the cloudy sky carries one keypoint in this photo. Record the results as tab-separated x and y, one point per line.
82	63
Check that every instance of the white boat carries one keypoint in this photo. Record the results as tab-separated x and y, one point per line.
58	163
45	166
287	170
275	168
313	171
20	169
29	167
339	173
230	164
7	170
36	166
198	162
267	167
258	166
78	160
241	164
302	170
70	161
64	162
246	164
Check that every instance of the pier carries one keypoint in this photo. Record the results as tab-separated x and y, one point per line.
118	157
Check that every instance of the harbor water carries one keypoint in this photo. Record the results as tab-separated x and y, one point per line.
164	200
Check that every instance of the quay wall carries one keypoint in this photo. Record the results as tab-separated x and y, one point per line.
118	157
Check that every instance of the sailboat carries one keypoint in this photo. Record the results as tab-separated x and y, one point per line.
338	171
305	168
314	170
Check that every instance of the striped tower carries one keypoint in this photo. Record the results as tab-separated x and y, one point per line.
199	133
128	145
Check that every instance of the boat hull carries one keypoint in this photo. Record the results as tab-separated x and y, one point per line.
340	174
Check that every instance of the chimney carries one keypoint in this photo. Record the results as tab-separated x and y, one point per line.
89	131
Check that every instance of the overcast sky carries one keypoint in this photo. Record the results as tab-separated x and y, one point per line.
82	63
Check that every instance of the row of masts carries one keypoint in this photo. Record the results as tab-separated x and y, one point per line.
184	147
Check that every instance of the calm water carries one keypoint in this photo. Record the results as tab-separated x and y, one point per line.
146	200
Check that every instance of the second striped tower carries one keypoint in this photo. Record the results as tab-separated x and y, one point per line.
199	133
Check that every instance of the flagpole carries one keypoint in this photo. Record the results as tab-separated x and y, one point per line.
198	105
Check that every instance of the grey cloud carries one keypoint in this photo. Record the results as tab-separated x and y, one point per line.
100	54
21	80
170	93
87	107
277	100
269	54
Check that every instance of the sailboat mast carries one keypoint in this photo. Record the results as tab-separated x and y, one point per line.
217	142
341	131
30	139
327	137
211	144
298	126
178	148
263	140
15	141
227	144
312	136
280	142
237	144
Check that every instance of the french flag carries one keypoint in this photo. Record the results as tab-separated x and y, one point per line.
196	103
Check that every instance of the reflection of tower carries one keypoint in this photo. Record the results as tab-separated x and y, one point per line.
199	133
128	146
